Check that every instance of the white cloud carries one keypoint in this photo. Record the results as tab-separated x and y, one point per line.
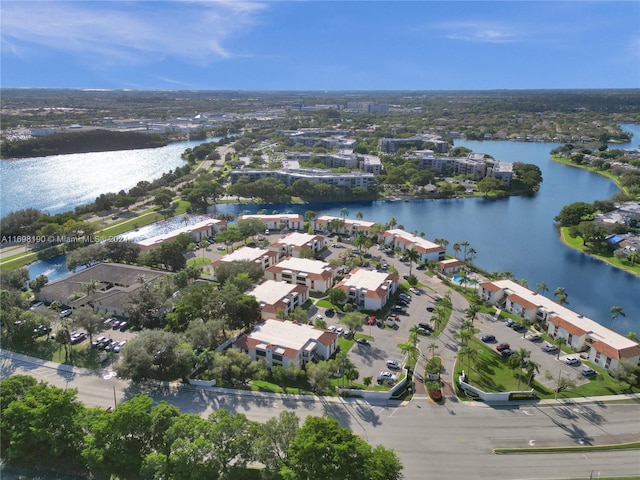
128	33
479	32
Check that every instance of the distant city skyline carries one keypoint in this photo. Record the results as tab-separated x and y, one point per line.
320	45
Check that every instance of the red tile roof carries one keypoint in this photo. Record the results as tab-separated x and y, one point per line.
570	327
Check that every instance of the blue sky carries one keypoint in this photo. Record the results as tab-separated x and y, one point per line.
320	45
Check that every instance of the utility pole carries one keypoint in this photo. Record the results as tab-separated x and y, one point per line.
115	401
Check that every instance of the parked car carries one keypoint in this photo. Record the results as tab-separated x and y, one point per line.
571	361
588	372
488	338
98	341
506	352
65	313
430	309
124	326
424	325
330	312
532	337
115	324
348	334
36	305
398	309
363	341
414	290
424	331
332	328
393	364
405	297
502	346
510	322
549	348
41	330
518	328
386	377
119	346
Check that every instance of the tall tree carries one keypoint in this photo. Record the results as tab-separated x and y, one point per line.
616	311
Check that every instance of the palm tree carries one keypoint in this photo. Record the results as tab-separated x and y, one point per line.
467	351
524	282
616	311
456	249
91	287
472	312
561	295
344	212
413	256
541	287
464	336
465	244
559	342
532	369
471	255
433	346
632	336
633	257
516	361
392	222
359	215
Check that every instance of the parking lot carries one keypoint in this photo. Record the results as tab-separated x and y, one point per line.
371	359
551	367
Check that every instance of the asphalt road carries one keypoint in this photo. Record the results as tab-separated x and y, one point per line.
454	440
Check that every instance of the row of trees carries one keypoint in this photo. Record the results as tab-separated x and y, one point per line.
48	427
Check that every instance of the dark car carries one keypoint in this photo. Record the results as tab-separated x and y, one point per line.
430	309
488	338
506	352
124	326
330	312
518	328
424	325
362	341
502	346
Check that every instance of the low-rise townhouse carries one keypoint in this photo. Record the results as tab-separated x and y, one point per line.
603	346
316	275
287	343
198	231
275	297
397	238
368	289
262	256
450	265
293	244
344	226
291	221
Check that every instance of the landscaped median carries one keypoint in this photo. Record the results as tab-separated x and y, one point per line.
567	449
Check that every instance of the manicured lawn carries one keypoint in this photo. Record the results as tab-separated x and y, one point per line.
198	261
491	372
345	344
324	303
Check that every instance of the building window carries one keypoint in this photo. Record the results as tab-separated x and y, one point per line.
261	353
276	358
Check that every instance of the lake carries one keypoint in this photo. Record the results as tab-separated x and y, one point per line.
61	182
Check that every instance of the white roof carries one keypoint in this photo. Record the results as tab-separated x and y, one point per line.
271	291
298	239
245	253
304	265
593	328
369	279
410	237
285	334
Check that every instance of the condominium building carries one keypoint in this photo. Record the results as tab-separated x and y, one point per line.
316	275
277	298
368	289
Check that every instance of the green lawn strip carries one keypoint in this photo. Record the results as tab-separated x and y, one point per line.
324	303
22	261
577	448
345	344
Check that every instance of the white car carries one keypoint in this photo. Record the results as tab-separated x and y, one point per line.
394	364
414	290
332	328
571	361
549	348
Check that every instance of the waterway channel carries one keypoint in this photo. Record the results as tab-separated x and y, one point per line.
515	235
